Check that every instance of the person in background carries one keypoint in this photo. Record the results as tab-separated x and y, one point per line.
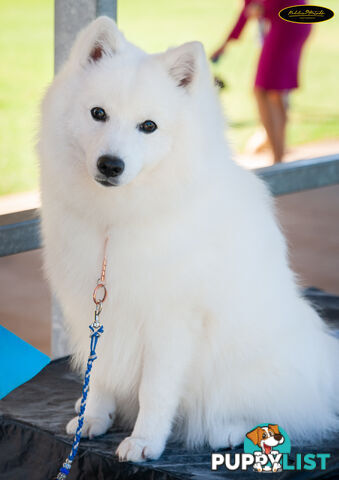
278	65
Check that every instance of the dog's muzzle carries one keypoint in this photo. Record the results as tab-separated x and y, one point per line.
110	168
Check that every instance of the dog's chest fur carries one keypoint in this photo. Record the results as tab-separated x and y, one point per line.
138	268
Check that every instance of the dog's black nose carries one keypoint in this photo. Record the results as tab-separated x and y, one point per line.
110	166
278	437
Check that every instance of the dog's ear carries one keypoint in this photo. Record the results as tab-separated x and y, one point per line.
275	428
101	37
184	63
253	435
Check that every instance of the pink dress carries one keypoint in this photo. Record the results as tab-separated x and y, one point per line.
280	56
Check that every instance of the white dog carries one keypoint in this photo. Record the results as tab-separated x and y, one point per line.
206	334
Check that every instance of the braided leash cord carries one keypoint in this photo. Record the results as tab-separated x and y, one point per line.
65	469
96	331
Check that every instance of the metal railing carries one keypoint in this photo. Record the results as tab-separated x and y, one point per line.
19	232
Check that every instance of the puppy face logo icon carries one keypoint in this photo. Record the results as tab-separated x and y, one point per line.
267	442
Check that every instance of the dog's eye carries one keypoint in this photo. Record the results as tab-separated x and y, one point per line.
99	114
148	126
264	435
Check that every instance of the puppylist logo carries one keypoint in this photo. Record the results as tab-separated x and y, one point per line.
267	449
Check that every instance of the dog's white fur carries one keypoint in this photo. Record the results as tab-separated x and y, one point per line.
206	334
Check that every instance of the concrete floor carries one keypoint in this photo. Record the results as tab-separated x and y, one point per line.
309	220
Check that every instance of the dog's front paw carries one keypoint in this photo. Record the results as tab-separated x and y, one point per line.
92	426
137	449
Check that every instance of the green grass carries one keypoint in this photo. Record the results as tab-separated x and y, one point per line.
26	51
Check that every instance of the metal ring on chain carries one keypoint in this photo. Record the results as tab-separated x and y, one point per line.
97	289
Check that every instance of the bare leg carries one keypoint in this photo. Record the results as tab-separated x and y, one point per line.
277	102
272	111
265	113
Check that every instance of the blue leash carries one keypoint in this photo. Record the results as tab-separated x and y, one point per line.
96	331
66	467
